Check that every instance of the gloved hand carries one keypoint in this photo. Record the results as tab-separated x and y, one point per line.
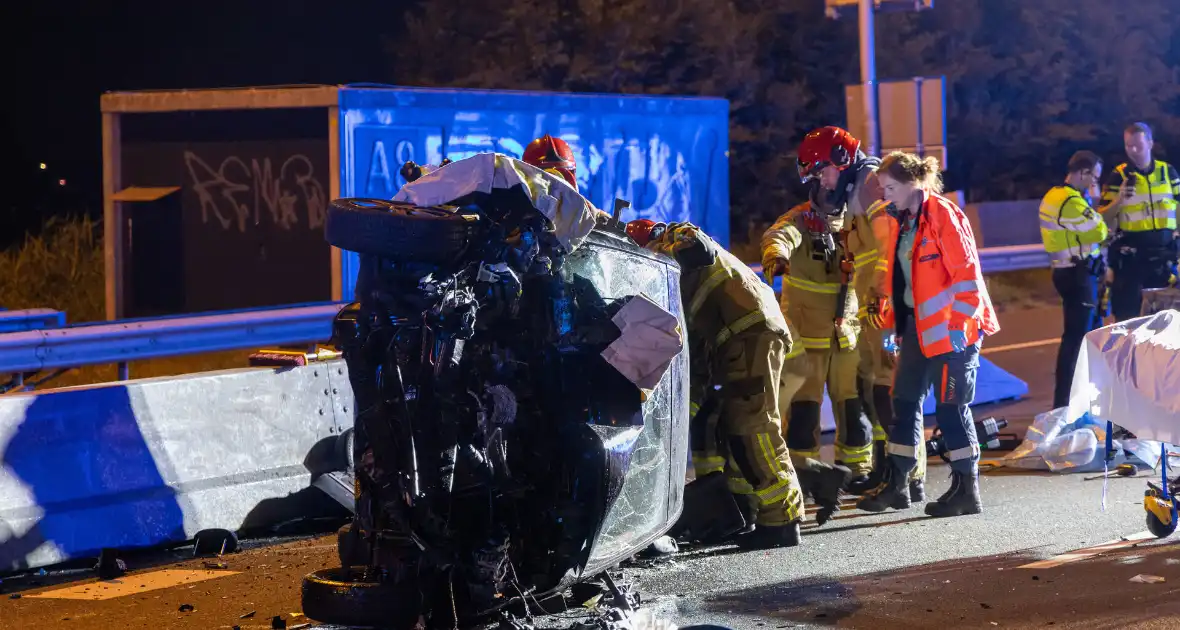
776	266
890	343
875	313
958	340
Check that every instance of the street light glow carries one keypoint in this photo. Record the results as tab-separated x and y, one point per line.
44	166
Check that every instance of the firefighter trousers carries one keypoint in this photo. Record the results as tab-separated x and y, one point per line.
875	387
739	431
835	368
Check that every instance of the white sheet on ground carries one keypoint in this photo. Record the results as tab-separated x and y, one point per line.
1129	373
1057	443
572	215
650	340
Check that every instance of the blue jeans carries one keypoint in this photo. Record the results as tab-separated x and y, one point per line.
953	375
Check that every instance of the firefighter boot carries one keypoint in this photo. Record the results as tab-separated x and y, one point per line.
864	484
962	498
894	492
878	401
772	536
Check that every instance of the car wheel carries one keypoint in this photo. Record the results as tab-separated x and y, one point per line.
344	596
343	451
399	231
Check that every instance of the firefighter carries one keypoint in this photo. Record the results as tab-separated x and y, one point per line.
810	247
845	176
1142	194
1073	234
738	344
936	300
552	155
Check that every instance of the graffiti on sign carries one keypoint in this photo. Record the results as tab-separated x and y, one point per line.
237	193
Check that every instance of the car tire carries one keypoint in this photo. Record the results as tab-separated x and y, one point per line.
342	453
399	231
344	597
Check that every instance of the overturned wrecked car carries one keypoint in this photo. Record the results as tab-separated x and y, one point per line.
521	390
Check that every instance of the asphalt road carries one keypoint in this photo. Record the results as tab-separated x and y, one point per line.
893	570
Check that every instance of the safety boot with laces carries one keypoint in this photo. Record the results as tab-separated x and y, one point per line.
962	498
894	493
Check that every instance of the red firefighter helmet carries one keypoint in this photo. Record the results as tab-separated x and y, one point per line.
554	155
823	147
642	231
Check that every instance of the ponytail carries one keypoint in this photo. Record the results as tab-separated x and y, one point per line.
909	168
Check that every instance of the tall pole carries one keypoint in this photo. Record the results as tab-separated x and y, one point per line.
868	77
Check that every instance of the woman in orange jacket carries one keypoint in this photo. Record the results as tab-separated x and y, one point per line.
933	295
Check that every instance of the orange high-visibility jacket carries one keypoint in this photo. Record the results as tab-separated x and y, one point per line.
949	293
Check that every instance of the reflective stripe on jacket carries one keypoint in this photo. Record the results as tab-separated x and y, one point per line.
811	288
721	299
949	292
1070	228
1153	206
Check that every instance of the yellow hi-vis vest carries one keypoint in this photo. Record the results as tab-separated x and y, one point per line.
1153	206
1070	228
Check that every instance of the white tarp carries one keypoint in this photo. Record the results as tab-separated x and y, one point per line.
572	215
1065	444
1129	373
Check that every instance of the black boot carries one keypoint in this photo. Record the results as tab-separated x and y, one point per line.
772	536
962	498
825	483
893	493
876	477
917	490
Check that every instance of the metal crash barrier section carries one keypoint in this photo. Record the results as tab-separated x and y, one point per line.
153	461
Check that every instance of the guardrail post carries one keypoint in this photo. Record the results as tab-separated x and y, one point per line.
124	371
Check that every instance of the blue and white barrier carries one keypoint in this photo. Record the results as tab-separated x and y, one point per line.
155	461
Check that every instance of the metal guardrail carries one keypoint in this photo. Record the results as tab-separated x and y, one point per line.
31	319
1013	258
993	260
51	348
120	342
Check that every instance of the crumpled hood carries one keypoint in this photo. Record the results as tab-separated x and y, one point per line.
571	215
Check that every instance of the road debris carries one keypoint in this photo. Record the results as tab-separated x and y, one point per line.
1143	578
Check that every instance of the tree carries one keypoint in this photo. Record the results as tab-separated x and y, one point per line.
1028	82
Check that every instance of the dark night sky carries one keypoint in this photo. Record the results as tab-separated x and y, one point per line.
72	52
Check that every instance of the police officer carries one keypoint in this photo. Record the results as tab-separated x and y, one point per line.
1142	194
1073	232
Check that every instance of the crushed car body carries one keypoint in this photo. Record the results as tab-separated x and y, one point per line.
521	388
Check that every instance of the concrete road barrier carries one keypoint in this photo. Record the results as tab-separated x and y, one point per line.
153	461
